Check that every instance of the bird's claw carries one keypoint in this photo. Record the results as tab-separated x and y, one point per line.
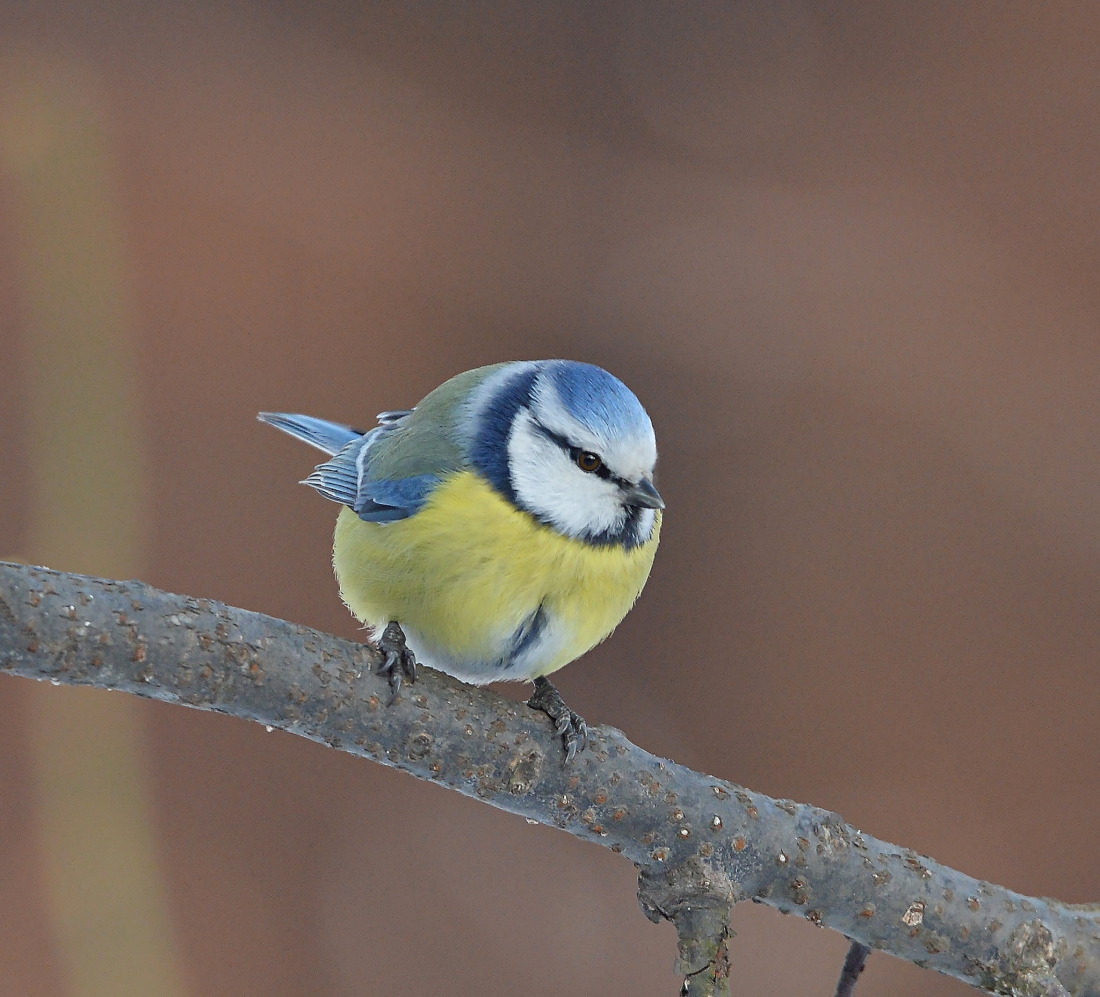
399	662
568	725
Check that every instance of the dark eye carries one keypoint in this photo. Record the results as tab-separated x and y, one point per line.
588	461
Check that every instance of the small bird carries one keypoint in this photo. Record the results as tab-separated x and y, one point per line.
498	530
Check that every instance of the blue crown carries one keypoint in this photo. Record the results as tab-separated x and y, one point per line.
598	399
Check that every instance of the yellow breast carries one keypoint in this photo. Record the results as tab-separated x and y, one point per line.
465	572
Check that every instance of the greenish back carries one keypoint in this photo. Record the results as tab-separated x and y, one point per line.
430	440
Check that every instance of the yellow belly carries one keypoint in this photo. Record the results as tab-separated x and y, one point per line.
465	572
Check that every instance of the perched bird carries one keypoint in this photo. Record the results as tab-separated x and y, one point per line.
500	529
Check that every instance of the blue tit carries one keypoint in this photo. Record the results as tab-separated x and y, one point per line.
501	528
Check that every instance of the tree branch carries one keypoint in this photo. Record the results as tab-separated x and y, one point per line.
854	964
701	844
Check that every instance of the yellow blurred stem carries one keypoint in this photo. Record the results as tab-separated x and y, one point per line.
105	889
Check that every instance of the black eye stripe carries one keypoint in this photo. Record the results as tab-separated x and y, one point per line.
574	454
557	438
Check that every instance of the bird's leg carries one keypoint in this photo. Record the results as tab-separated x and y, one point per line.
569	726
399	662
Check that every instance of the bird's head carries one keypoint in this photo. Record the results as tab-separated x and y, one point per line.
571	445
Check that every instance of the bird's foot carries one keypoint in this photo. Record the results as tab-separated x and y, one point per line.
569	726
399	662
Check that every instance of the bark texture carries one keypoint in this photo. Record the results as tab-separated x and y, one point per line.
701	844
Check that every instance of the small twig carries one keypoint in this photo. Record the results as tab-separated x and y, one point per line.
700	909
703	960
701	844
854	964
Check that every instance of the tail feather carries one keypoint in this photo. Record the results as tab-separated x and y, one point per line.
331	437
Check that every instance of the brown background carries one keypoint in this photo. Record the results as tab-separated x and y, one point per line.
847	256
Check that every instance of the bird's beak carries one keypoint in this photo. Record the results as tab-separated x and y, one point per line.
644	495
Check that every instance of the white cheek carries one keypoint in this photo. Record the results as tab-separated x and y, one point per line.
551	486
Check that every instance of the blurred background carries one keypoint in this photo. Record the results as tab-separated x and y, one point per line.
848	255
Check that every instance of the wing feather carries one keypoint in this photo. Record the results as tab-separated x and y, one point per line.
345	478
388	473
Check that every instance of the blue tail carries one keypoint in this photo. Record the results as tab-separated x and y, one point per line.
331	437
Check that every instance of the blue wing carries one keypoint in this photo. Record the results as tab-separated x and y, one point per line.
380	501
345	478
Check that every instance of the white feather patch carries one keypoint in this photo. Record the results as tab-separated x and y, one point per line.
549	484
